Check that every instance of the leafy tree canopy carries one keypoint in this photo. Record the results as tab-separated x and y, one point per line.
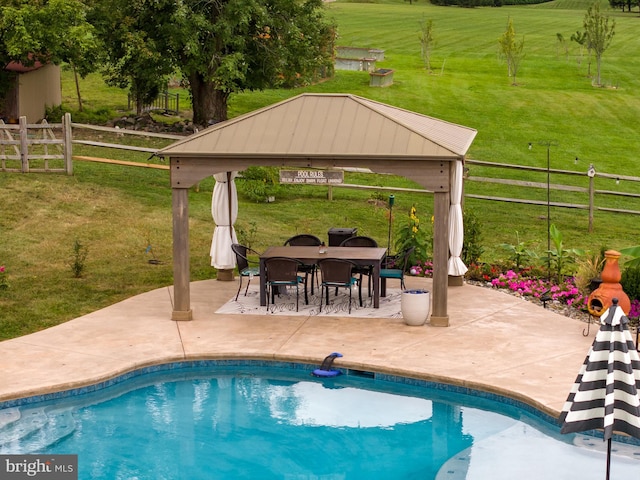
48	31
54	31
219	46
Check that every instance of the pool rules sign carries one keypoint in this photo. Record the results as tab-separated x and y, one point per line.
318	177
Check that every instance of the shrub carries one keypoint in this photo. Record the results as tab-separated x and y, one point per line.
80	253
471	248
589	267
413	234
259	183
518	253
630	282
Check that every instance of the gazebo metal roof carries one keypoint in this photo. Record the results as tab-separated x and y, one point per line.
335	125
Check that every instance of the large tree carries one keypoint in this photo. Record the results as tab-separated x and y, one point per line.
219	46
599	33
235	45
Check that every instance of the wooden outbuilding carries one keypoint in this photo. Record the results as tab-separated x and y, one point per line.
34	88
323	131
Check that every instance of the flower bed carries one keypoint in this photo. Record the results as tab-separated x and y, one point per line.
564	298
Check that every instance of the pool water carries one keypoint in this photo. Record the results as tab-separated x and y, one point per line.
279	423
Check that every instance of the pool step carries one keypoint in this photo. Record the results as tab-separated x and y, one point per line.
33	430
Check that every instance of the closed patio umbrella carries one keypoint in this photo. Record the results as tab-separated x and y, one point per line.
456	267
605	393
224	209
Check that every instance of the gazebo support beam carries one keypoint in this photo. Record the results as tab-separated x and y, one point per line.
181	271
439	316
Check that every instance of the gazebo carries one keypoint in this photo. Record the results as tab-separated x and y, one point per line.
325	131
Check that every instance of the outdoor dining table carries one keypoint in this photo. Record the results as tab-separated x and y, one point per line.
358	255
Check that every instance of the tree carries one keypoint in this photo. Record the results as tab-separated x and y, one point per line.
251	45
562	45
427	42
136	57
599	33
511	50
581	39
219	46
55	31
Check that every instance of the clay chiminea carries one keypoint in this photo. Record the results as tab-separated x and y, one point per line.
610	288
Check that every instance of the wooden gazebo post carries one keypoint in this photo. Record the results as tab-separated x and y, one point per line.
439	316
181	271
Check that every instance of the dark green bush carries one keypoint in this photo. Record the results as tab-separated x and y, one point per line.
630	282
259	183
472	249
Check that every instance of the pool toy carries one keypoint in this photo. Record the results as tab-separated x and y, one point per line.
325	369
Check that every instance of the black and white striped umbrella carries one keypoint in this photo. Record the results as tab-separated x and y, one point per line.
605	393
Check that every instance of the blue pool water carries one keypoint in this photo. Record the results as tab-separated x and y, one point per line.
255	422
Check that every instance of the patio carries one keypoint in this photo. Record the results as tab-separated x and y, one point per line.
495	342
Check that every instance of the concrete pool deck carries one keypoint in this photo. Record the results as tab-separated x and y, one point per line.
495	342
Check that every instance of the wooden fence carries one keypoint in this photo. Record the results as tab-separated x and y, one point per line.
589	193
26	148
41	147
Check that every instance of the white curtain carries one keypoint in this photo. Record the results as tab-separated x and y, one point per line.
456	231
224	209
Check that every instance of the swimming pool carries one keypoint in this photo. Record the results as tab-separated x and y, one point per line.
244	419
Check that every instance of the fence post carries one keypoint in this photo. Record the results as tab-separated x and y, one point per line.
24	151
68	137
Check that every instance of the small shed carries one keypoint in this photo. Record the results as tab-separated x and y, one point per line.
324	131
35	88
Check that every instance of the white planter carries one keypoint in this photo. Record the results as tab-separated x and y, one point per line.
415	306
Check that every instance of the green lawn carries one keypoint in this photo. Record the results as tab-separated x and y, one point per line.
117	212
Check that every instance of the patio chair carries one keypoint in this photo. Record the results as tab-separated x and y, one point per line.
398	265
283	272
246	267
336	273
305	239
361	270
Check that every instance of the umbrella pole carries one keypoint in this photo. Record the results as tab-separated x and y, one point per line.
608	458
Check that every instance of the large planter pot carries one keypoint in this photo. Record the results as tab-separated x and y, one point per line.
415	306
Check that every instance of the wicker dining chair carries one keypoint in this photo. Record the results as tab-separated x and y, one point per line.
283	272
304	240
400	263
336	273
361	270
246	267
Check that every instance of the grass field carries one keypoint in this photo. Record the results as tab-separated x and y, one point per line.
118	212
